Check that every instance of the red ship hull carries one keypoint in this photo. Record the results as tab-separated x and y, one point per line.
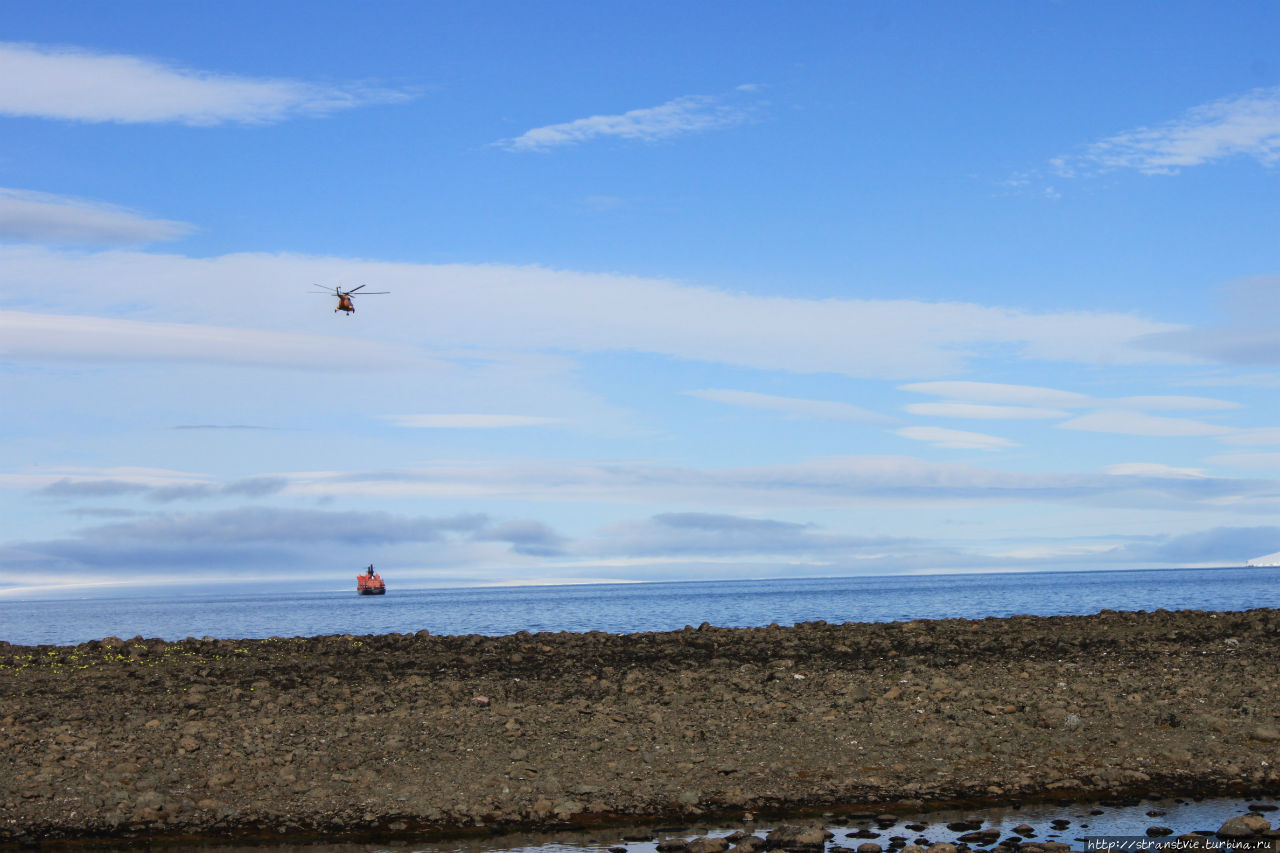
370	584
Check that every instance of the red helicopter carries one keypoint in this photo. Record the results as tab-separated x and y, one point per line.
345	297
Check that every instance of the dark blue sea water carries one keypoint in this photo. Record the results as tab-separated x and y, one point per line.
627	608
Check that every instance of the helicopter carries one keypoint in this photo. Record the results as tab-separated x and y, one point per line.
346	297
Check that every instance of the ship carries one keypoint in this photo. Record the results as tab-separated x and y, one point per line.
370	582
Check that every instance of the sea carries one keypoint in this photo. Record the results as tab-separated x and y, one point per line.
176	613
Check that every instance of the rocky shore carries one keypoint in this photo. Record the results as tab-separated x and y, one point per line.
404	734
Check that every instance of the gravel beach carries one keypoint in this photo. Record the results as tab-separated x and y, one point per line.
345	736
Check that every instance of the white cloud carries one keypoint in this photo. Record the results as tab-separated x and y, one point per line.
1245	125
688	114
79	85
1260	436
716	535
1138	423
469	421
1248	337
794	406
28	336
45	218
452	306
984	411
877	481
996	393
1247	461
1152	469
955	438
135	477
830	482
1169	403
1238	380
990	394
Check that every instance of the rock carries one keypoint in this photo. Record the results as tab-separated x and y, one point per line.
981	837
707	845
796	838
1256	822
1266	733
1237	827
869	847
568	808
628	728
1158	831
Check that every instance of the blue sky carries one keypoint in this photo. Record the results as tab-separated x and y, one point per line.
675	290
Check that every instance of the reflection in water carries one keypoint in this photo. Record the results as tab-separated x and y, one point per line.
1180	816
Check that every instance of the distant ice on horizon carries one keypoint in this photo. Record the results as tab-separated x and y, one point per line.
1265	560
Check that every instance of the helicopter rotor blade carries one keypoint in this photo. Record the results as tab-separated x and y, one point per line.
354	289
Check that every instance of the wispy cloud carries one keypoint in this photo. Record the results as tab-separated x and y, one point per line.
78	85
1116	415
1256	437
995	400
252	539
984	411
677	117
1247	337
1152	469
1247	461
45	218
469	421
1244	125
29	336
1139	423
956	439
1218	545
564	311
826	482
525	537
714	534
233	427
834	482
98	487
794	407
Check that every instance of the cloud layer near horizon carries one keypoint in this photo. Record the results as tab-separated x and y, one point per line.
829	482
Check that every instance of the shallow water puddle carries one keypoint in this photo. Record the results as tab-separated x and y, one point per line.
1082	820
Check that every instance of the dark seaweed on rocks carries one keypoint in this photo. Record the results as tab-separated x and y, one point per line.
417	734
